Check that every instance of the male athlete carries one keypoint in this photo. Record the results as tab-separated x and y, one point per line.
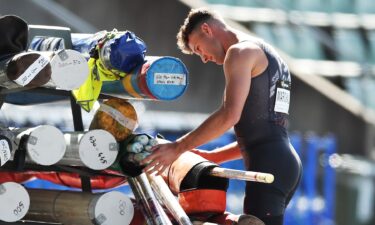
255	102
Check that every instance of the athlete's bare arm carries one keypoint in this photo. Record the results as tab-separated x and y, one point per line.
238	66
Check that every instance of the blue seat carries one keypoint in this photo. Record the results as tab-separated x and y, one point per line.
362	88
312	5
309	46
354	87
350	45
286	39
250	3
224	2
371	39
264	31
365	6
342	6
369	87
286	5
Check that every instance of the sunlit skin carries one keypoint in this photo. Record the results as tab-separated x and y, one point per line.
214	41
203	43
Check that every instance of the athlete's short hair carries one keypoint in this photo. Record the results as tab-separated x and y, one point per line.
195	18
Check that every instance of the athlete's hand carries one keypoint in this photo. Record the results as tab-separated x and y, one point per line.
163	155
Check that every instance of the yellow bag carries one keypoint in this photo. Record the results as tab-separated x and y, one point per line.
89	91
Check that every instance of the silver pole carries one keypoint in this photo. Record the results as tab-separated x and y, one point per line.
14	202
141	200
95	149
80	208
6	148
44	144
153	207
161	188
64	69
242	175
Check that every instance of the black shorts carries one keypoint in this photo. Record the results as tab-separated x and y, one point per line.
279	158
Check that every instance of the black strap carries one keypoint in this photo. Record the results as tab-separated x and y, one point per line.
199	178
85	183
77	114
2	97
20	154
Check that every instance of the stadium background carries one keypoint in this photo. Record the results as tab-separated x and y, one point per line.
330	49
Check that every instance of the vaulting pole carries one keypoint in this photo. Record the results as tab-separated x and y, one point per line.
242	175
63	69
80	208
43	145
158	78
14	202
95	149
146	196
162	190
6	147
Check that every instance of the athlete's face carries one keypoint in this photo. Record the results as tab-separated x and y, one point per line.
203	43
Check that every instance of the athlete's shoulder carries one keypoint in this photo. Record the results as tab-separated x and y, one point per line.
245	48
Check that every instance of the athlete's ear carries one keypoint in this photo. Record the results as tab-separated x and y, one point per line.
206	29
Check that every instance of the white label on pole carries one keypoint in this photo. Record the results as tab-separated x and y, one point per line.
4	152
98	149
17	202
119	117
169	79
69	69
32	71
